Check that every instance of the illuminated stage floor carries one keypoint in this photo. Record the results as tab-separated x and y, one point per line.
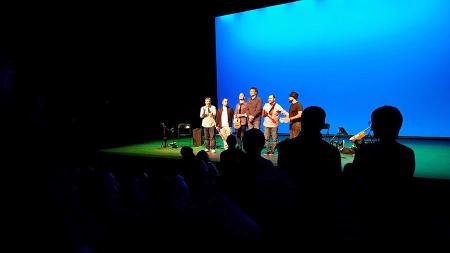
432	156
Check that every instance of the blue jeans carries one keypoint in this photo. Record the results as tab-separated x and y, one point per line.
268	131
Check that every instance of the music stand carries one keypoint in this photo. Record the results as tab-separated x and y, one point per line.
340	135
165	131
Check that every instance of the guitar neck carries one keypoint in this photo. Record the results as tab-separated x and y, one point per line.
273	120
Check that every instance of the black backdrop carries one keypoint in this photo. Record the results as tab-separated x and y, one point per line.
87	77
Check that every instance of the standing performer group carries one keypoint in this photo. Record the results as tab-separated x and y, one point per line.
247	115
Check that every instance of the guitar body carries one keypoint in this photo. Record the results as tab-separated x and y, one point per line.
273	119
270	116
237	123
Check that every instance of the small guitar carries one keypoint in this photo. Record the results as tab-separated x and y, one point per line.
274	120
237	123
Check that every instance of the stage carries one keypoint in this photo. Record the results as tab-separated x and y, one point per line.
432	156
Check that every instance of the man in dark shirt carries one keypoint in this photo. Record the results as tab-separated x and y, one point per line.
386	163
254	105
295	112
382	173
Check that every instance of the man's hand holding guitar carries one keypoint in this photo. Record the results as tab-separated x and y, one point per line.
237	120
274	119
251	118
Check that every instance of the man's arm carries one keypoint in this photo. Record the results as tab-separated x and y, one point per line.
245	111
217	116
213	111
299	115
250	108
265	110
218	119
282	111
202	112
258	107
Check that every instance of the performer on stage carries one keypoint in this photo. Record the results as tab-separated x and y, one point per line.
295	112
271	111
254	105
240	119
224	121
208	115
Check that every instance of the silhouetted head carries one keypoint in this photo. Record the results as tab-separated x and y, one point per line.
187	152
386	122
253	141
231	141
202	155
313	119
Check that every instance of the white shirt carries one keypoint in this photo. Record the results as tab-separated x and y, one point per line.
273	114
225	117
208	120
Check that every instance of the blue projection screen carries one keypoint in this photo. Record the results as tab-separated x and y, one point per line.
347	56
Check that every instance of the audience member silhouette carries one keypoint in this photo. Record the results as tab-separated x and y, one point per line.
381	174
231	159
314	166
208	166
191	169
241	185
215	215
257	186
387	163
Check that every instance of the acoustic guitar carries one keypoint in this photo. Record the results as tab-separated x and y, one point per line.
266	114
237	123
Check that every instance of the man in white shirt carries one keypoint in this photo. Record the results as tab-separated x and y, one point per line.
271	111
224	121
208	115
